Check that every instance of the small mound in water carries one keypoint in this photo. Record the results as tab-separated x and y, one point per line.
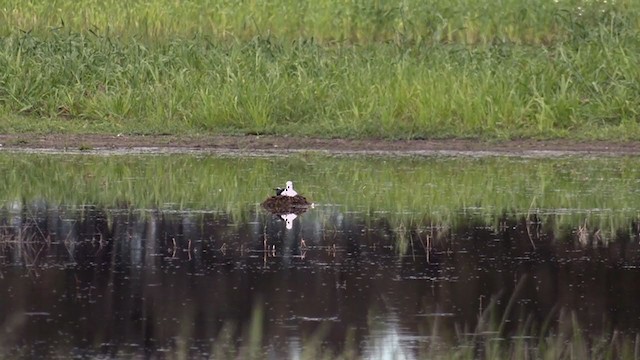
281	205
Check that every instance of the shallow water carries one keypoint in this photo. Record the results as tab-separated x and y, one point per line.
233	281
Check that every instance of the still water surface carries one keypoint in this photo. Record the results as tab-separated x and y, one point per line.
122	281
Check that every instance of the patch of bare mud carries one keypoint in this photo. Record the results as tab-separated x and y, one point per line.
273	145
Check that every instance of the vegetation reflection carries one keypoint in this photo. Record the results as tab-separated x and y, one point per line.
575	194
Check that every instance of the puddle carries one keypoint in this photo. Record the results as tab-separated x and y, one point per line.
174	256
278	152
151	278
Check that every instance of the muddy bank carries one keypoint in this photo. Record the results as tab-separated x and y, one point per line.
273	145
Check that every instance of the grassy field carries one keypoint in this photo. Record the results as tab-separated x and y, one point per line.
357	69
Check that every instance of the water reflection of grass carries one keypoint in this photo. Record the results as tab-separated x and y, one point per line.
561	338
409	192
565	340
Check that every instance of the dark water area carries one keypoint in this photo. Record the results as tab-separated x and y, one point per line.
90	282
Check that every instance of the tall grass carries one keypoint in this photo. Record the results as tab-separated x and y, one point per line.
416	69
351	21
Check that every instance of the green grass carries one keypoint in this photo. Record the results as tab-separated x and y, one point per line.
416	69
351	21
410	193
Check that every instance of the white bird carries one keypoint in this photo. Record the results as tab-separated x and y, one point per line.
288	191
288	219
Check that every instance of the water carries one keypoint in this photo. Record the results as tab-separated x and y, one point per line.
126	283
129	281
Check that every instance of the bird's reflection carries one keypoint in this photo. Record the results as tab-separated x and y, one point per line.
288	219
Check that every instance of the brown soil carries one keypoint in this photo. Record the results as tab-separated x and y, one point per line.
272	144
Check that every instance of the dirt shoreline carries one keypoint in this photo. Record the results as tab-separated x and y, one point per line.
251	144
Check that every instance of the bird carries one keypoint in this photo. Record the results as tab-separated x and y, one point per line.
279	191
288	191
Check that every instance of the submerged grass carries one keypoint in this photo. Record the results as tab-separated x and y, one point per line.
408	192
351	69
